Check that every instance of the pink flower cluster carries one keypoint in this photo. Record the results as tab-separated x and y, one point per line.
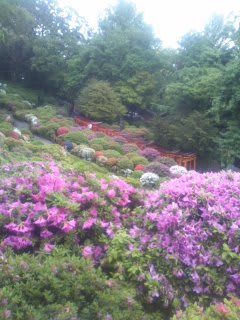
32	215
188	232
194	223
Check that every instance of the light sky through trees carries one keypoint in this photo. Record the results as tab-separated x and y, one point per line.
170	19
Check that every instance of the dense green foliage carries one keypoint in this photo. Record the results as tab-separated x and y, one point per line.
192	93
99	102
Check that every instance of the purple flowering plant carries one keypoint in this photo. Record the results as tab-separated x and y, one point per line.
179	243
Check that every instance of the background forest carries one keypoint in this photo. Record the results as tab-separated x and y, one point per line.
189	96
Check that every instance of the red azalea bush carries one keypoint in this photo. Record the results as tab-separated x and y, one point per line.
139	167
62	131
99	153
14	135
150	153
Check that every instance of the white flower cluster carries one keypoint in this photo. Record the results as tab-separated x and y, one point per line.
127	172
178	170
149	180
32	119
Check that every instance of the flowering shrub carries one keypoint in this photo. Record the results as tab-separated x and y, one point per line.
160	169
167	161
130	147
112	163
101	160
99	153
189	230
17	131
14	135
120	139
178	171
40	203
150	153
149	180
178	245
62	131
139	167
229	310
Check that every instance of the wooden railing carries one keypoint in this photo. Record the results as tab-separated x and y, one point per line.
187	160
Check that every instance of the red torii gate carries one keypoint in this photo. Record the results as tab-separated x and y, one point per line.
187	160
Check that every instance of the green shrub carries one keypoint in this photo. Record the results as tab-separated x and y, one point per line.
12	143
47	130
78	137
62	286
97	147
104	142
137	159
99	101
138	132
125	163
136	174
6	127
112	153
115	146
12	102
134	181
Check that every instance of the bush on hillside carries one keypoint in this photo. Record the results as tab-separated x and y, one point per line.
130	147
150	153
125	163
99	101
167	161
104	142
76	137
62	286
137	159
112	153
160	169
228	310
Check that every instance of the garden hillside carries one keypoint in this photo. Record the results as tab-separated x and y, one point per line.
98	226
188	97
83	239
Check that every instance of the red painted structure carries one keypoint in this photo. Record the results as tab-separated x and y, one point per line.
187	160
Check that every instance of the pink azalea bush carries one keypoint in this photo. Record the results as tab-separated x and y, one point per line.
150	153
178	244
186	240
40	203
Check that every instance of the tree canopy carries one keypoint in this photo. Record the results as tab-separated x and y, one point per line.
43	46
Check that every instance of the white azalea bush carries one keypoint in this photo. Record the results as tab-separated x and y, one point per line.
87	153
178	171
150	180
